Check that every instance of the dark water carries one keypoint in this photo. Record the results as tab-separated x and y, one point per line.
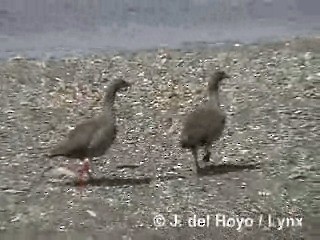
47	28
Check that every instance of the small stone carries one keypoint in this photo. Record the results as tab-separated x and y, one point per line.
13	191
263	193
244	151
308	56
141	74
17	58
16	218
61	171
91	213
24	103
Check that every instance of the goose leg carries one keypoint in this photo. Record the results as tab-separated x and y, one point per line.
195	156
80	177
87	167
84	169
90	169
207	155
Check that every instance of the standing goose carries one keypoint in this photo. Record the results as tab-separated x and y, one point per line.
205	124
93	137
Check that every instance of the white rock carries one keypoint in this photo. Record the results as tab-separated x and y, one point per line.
61	171
91	213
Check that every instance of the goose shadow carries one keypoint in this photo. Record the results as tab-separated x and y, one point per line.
164	178
120	181
226	168
132	181
111	181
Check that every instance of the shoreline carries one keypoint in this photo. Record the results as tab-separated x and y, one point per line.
185	46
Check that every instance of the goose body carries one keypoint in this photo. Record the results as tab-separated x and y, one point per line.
205	124
93	137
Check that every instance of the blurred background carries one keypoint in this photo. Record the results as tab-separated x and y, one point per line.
54	28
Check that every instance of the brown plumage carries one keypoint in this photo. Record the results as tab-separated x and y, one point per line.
205	125
92	137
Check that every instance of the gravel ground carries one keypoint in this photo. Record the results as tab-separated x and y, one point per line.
272	104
